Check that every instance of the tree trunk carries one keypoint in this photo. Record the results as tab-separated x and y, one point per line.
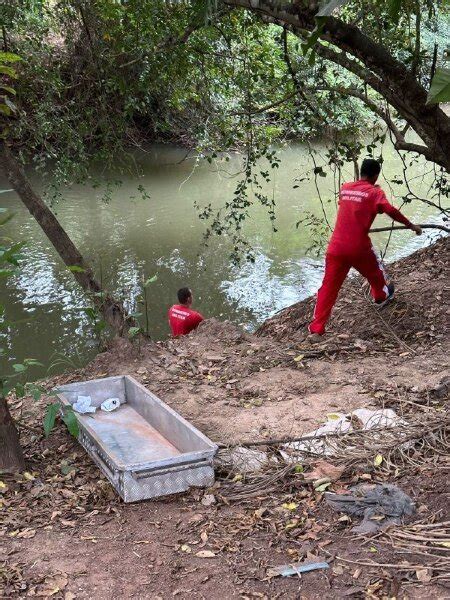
11	455
113	312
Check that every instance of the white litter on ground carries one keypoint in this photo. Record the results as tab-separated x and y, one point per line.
248	460
242	460
377	418
340	423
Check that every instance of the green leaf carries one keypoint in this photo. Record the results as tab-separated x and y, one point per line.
6	272
133	331
19	388
6	218
378	460
440	87
32	362
12	254
76	269
18	368
319	171
8	71
50	417
71	421
9	57
99	326
8	89
36	391
314	36
150	280
90	312
5	110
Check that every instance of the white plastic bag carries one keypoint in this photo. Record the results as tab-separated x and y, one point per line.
110	404
83	405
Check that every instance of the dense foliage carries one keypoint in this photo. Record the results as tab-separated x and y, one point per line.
100	77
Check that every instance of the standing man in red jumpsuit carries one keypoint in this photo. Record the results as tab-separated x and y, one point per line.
182	319
350	245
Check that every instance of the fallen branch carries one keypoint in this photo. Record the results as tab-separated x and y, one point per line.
425	226
398	566
300	438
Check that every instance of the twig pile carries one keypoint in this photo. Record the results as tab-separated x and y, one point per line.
401	447
424	547
430	541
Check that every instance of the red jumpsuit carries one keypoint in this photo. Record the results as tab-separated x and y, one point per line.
350	246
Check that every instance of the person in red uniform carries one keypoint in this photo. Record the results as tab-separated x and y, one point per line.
182	319
350	246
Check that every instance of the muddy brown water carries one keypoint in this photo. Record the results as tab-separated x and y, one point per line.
130	237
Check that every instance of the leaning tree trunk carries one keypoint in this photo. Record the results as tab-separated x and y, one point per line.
11	455
112	311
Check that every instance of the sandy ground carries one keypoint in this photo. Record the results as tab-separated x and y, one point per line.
65	534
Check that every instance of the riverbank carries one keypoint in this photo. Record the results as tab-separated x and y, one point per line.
66	534
48	307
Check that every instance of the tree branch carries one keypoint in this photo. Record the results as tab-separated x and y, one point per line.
400	142
266	107
422	226
351	65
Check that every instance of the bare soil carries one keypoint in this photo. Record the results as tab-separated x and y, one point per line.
65	534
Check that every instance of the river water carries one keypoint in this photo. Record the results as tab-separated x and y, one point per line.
130	237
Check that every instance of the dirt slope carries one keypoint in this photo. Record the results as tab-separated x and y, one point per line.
418	317
65	534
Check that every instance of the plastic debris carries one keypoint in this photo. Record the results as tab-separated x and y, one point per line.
361	418
110	404
442	389
380	505
337	423
242	460
83	405
295	569
377	418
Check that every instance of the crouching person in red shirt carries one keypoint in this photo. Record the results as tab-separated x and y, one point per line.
350	245
182	319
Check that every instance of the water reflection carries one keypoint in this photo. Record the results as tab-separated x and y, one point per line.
261	292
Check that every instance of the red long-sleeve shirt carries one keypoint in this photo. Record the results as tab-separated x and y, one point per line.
359	203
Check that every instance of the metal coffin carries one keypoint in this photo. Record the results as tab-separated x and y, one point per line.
144	447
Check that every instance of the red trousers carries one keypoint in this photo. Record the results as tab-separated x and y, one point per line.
337	266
